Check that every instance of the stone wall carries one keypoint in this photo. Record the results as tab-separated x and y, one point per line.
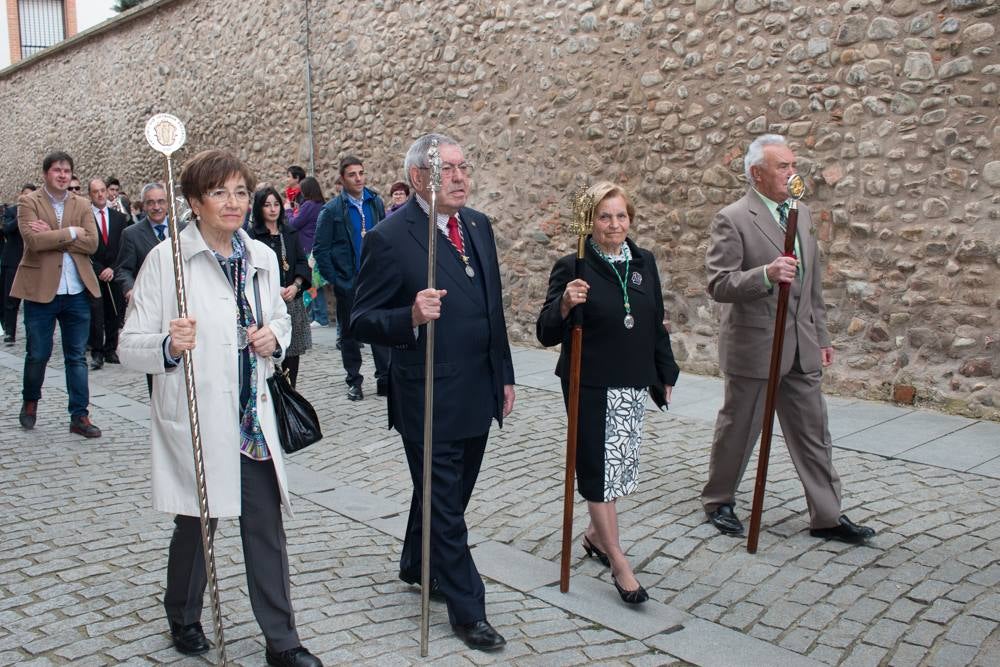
891	107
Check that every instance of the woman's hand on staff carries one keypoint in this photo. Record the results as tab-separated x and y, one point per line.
182	335
574	294
263	342
290	292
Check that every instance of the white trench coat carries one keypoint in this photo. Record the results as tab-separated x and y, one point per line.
212	304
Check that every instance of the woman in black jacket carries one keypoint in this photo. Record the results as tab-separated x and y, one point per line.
269	227
625	353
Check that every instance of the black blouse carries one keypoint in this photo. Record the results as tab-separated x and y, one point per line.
298	266
613	356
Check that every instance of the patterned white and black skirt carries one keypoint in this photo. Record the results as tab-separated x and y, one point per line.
608	440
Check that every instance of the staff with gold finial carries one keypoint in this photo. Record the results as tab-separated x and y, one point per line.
166	134
580	225
434	162
796	190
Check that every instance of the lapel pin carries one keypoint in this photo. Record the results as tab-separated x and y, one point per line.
636	278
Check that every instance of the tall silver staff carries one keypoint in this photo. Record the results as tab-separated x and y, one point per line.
434	162
165	133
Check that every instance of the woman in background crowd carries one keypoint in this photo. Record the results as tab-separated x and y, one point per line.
270	229
398	194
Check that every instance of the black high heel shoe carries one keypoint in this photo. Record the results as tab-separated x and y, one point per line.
638	596
594	552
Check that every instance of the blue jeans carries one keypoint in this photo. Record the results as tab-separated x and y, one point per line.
72	311
319	313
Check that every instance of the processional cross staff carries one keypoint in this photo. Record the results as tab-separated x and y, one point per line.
434	162
165	133
582	223
796	190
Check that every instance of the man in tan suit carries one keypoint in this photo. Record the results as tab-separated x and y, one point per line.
744	263
53	279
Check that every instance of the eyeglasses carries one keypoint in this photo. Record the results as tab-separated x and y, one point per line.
75	188
448	169
222	195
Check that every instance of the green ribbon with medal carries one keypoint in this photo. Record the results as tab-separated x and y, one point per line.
629	320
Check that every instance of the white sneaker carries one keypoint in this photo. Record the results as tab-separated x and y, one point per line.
315	324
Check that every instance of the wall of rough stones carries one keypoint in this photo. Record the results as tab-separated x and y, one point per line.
892	108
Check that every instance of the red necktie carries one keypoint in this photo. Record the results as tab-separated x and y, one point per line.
104	227
454	236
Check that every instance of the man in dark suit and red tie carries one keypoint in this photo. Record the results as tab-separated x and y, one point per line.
474	376
107	313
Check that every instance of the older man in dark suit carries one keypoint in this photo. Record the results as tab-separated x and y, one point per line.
474	376
107	313
744	262
53	279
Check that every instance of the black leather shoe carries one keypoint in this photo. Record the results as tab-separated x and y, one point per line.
293	657
479	635
354	393
845	531
414	580
112	358
97	364
9	340
636	596
594	552
29	410
381	388
189	639
724	518
83	426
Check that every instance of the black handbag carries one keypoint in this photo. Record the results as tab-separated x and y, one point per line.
298	425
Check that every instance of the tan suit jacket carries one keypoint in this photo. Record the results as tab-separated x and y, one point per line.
40	270
745	238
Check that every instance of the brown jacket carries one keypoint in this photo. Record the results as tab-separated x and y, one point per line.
40	270
745	238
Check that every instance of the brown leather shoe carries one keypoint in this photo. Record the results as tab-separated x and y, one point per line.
29	409
82	426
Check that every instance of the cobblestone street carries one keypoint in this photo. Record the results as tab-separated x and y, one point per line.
83	557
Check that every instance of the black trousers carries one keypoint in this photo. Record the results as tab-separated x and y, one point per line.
264	552
350	352
107	316
11	304
455	470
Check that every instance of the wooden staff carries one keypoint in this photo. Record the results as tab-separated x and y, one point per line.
434	160
583	206
165	133
796	188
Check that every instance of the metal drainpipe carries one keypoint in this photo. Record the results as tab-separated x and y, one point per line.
309	106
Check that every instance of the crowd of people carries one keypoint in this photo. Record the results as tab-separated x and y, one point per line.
257	260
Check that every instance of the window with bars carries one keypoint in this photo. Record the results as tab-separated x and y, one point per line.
43	23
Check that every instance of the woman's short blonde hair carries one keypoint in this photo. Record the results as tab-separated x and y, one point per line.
606	190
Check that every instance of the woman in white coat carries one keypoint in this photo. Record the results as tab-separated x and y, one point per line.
233	350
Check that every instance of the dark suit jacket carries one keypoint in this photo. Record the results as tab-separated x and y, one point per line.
612	356
13	246
137	240
472	355
106	253
40	270
745	238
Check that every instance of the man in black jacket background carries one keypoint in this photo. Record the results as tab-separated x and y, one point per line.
10	257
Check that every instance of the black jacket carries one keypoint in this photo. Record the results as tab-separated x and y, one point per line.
13	246
298	267
612	355
472	355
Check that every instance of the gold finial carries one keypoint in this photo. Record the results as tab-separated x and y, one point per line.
796	187
583	211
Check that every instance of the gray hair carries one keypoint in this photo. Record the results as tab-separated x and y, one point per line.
150	186
755	152
417	155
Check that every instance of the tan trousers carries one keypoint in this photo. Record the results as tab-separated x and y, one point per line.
802	413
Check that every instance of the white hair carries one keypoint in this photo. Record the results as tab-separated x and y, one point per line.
150	186
755	152
417	155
